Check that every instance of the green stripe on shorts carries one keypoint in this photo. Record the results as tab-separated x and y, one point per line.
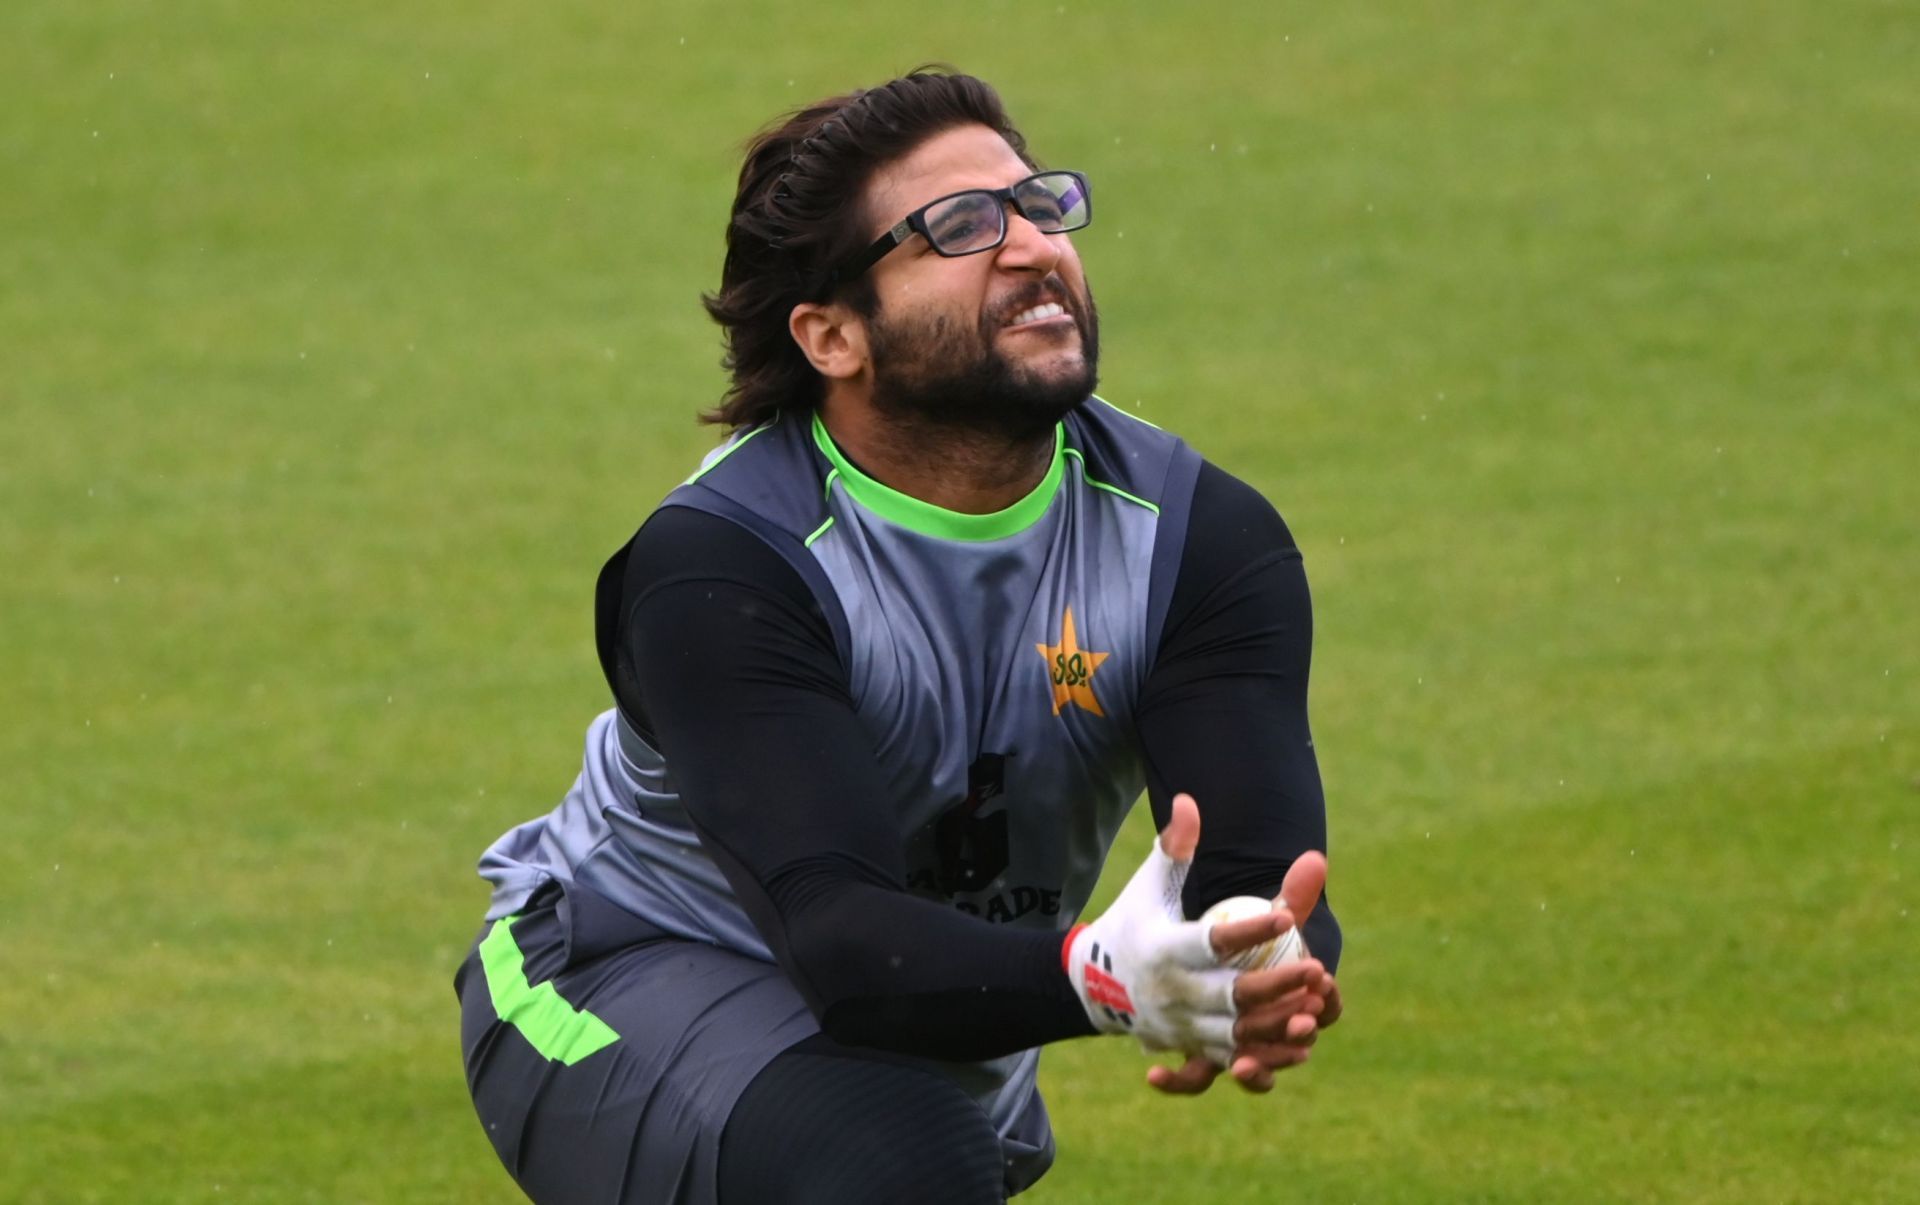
558	1030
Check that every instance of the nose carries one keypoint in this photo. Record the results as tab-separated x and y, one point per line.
1027	249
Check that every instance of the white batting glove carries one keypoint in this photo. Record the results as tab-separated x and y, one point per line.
1145	970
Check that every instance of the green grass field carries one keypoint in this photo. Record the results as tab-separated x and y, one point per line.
1580	345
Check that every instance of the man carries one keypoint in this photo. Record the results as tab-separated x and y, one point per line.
890	668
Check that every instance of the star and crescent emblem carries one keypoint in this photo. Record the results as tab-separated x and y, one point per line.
1071	668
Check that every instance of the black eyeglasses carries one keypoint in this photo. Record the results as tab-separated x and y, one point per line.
967	223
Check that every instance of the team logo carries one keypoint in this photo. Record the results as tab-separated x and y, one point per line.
1071	668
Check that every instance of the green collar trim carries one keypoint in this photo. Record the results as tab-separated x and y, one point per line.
930	520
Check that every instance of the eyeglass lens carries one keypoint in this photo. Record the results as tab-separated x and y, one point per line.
974	221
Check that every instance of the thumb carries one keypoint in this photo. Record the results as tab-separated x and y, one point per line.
1305	880
1182	835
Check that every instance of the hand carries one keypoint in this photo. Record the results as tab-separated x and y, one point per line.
1280	1011
1143	969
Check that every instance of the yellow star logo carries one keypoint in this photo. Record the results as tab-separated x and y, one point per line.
1071	668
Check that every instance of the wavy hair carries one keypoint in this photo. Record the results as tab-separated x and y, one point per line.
797	213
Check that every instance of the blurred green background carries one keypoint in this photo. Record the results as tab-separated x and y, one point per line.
1579	344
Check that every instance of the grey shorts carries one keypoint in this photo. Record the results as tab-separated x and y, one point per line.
604	1057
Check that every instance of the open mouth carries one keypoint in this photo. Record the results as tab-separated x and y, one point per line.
1033	315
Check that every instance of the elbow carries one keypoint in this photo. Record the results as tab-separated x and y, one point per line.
851	1023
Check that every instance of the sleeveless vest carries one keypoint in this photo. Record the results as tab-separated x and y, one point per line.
994	660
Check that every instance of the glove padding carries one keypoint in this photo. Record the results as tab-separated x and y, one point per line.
1143	969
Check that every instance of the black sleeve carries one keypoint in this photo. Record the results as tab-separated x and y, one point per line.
728	666
1223	713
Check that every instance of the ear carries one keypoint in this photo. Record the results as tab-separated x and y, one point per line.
832	337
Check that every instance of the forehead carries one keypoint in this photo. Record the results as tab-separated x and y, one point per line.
970	156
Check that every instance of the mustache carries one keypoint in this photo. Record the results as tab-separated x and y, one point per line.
1039	292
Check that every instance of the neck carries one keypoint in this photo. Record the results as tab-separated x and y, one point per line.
954	468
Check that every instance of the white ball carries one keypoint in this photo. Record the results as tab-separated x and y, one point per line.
1288	947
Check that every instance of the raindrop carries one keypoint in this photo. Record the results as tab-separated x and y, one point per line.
1213	146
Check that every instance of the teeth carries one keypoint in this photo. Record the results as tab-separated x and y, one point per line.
1038	312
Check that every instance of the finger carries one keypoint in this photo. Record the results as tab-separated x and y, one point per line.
1332	1009
1212	1035
1277	1023
1306	879
1191	1078
1182	835
1231	937
1252	1074
1253	989
1274	1056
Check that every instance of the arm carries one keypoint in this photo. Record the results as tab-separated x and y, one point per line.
731	670
1223	714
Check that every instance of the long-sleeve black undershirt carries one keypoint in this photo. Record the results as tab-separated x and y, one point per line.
725	661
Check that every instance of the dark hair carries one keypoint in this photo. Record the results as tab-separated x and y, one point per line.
796	214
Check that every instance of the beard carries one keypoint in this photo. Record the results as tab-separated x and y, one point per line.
940	372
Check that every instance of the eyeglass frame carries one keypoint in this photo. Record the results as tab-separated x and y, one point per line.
916	223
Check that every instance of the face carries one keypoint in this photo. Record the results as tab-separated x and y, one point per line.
1004	341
